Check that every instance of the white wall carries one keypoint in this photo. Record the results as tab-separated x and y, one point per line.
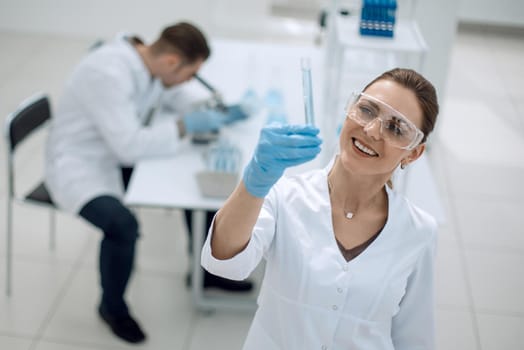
102	18
437	20
500	12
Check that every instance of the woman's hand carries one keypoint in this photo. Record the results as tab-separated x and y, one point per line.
279	147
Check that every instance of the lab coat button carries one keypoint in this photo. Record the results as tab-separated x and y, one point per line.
324	347
345	268
340	290
334	307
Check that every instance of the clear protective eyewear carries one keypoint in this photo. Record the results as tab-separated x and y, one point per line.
395	128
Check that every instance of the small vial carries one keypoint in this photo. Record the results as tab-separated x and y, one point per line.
307	90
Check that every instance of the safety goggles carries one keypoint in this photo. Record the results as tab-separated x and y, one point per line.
395	128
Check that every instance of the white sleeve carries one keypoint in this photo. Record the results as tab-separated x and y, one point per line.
107	99
414	325
241	265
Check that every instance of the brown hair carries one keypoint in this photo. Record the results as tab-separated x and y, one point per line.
182	38
423	89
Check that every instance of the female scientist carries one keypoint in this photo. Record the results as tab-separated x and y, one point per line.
349	262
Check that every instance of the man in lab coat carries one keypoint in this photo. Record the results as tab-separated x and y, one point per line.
103	125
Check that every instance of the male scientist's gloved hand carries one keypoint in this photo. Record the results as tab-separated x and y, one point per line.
279	147
235	113
202	121
207	120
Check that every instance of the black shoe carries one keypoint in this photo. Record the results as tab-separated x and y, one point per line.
213	281
124	327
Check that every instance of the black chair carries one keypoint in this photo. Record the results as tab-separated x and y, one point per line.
30	115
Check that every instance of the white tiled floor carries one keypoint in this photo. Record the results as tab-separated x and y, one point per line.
477	160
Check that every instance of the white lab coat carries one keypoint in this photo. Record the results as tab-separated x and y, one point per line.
98	125
311	298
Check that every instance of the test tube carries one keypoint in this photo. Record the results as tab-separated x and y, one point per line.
307	90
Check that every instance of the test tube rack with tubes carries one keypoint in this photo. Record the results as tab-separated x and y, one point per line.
223	162
377	17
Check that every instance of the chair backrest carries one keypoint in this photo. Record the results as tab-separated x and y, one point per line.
28	117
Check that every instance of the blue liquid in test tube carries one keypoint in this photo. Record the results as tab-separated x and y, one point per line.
307	90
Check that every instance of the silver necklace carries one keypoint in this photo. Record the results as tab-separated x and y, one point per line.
348	214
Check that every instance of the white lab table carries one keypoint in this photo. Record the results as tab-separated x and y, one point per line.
170	182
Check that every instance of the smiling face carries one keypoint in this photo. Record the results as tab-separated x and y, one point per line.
363	150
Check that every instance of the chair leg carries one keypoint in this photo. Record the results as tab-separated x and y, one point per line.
52	229
9	247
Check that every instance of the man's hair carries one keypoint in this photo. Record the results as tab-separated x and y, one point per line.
184	39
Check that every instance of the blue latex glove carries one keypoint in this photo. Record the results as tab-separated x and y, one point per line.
203	121
279	147
235	113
